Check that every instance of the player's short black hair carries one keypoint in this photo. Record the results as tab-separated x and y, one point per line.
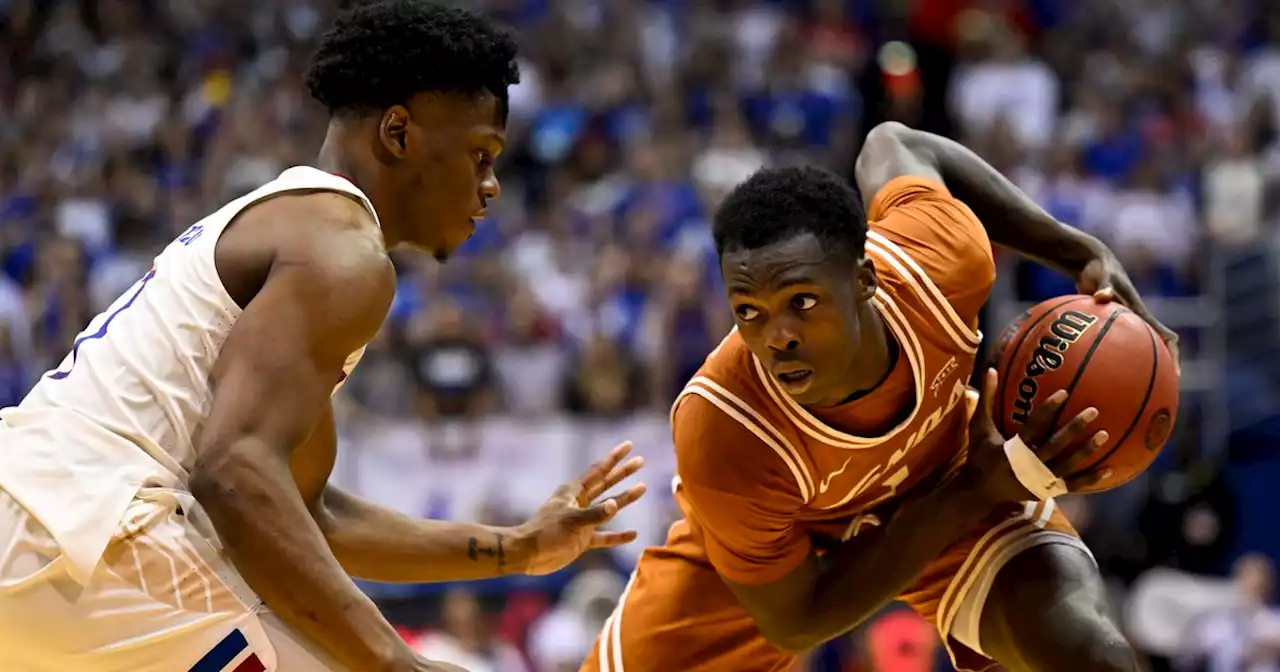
776	204
381	53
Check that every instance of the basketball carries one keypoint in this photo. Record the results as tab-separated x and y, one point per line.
1105	356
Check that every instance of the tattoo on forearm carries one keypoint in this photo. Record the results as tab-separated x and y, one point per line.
475	550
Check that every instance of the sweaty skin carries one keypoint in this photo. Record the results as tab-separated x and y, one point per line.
326	286
312	274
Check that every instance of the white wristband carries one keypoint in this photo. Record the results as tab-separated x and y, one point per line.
1031	472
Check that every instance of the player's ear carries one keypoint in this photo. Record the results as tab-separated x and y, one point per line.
865	281
393	130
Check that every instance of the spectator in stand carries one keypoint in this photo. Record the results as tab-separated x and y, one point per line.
467	640
1244	637
1012	85
452	367
604	380
1235	193
528	360
560	640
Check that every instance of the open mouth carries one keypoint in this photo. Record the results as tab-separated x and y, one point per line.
794	377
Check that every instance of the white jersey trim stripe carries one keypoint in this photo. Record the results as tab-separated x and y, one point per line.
798	470
944	321
761	422
973	338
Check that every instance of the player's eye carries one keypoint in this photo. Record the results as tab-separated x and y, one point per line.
484	159
804	301
747	313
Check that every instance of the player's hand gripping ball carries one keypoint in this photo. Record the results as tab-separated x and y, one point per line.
1105	356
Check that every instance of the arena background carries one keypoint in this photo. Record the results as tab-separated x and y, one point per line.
581	306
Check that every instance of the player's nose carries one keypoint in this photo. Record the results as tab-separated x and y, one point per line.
781	337
490	188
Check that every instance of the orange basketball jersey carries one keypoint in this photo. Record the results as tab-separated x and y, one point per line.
761	478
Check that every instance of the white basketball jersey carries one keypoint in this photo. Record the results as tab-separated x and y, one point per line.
126	407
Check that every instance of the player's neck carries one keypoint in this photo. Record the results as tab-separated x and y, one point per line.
335	157
877	356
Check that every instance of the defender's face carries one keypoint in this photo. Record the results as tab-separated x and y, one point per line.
452	144
797	308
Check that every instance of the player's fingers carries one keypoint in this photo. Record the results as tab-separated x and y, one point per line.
599	469
1087	480
981	424
1068	440
631	496
1035	431
1070	461
618	475
611	539
598	514
1171	340
1104	294
1092	278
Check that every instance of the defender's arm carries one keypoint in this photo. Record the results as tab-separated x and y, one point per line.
376	543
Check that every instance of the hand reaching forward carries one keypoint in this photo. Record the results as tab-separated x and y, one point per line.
568	524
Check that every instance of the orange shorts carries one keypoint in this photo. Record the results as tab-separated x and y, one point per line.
677	614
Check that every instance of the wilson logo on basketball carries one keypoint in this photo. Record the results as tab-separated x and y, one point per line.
1048	356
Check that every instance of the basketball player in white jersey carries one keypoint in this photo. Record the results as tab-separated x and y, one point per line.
163	493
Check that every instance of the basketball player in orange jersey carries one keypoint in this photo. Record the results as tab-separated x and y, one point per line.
831	457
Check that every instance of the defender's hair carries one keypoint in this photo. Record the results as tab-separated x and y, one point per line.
775	204
381	53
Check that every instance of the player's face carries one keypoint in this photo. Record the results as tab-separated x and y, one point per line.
451	144
797	307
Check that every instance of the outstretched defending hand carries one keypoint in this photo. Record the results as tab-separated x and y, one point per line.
568	524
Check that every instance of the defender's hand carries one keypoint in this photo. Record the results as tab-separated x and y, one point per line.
987	469
567	525
1106	279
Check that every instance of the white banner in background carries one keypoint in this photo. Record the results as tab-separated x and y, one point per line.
465	471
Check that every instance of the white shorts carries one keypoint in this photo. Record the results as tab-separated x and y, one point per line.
162	599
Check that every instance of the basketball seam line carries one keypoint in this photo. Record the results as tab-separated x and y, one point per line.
1084	363
1146	399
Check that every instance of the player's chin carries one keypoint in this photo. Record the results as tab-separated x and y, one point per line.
454	239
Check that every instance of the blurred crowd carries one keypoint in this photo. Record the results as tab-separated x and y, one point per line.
591	294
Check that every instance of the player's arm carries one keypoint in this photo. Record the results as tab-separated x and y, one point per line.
328	284
745	497
822	598
376	543
1011	218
